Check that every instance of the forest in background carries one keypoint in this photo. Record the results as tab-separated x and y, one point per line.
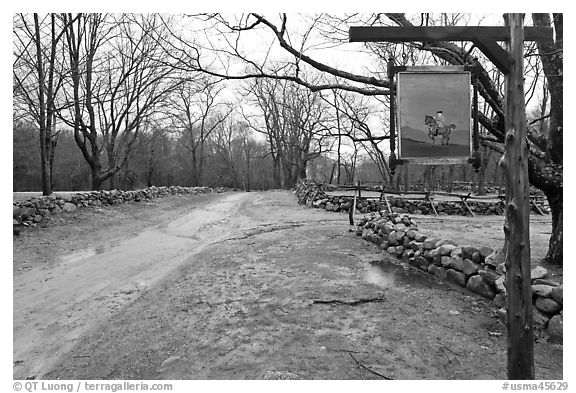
160	159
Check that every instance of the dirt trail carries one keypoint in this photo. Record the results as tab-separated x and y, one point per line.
249	286
55	305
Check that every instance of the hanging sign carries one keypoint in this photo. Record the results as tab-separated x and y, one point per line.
434	115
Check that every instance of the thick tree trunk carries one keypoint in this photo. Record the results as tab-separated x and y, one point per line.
112	182
44	132
149	179
95	177
286	174
552	56
44	163
194	170
302	171
555	254
276	172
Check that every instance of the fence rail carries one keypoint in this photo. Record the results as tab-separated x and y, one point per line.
539	202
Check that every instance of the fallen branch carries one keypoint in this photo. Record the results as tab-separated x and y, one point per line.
346	350
350	302
112	372
268	228
369	369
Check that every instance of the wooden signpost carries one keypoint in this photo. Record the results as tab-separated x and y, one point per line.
515	161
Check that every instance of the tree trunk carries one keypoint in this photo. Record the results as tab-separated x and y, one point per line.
302	171
200	168
276	172
51	162
482	173
149	178
247	186
44	132
112	182
555	252
286	174
44	163
339	155
194	170
332	174
95	177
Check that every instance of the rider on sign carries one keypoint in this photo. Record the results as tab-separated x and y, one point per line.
439	121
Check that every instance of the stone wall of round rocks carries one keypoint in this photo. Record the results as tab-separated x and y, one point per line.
311	194
478	269
31	212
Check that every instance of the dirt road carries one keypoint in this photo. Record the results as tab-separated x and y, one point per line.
242	286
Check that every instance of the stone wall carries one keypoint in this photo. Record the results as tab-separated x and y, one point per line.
313	195
31	212
478	269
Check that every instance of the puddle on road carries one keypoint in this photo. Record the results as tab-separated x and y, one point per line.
82	254
389	275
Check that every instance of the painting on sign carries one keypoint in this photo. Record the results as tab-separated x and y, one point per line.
434	116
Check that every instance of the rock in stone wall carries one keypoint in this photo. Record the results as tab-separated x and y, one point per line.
32	211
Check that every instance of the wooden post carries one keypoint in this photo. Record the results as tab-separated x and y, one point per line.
463	199
517	225
430	199
352	210
534	202
387	204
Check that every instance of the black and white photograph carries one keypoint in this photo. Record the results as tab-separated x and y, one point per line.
307	196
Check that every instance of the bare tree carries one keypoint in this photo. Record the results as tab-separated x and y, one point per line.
295	126
196	111
38	80
352	117
118	80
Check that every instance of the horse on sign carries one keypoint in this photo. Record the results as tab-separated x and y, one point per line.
434	130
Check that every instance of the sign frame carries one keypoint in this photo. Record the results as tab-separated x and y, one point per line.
474	69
